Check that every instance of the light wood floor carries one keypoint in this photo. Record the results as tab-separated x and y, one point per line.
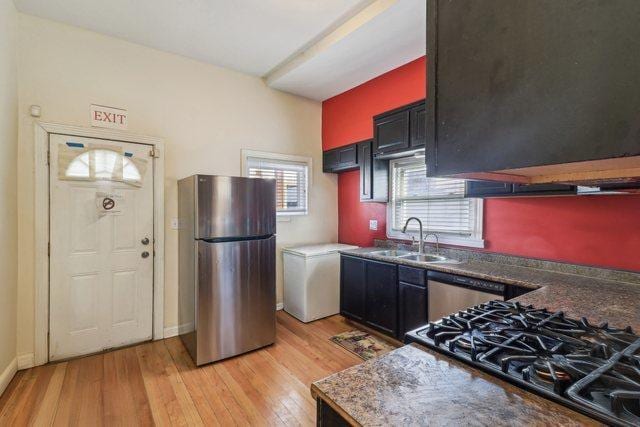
157	383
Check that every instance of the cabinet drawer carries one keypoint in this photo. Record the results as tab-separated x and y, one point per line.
415	276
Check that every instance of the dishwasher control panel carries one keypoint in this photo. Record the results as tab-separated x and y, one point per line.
468	282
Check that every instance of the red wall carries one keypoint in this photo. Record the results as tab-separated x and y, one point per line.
591	230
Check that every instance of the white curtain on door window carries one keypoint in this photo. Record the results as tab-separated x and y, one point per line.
97	163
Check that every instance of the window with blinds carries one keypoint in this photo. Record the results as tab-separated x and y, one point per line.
438	202
291	182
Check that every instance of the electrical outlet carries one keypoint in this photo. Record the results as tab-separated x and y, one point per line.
174	223
373	224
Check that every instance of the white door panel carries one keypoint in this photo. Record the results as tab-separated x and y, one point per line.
101	288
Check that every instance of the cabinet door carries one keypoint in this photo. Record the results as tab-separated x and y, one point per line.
487	188
391	133
330	160
418	127
380	183
366	170
412	307
348	157
340	159
381	296
352	287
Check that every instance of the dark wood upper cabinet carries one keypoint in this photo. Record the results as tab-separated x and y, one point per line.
340	159
399	131
482	189
543	189
418	126
374	174
530	83
366	170
487	189
391	132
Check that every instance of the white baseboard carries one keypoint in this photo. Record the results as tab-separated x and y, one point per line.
171	331
7	375
26	361
174	331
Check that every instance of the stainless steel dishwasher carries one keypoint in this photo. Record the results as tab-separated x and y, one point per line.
450	293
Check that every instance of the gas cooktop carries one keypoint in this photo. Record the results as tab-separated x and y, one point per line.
591	369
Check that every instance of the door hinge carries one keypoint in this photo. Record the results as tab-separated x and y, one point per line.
48	248
48	157
154	153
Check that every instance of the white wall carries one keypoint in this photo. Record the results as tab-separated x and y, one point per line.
8	188
206	115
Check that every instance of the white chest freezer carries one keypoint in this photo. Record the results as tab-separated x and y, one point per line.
312	280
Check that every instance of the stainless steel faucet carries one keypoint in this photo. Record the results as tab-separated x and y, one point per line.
437	242
420	242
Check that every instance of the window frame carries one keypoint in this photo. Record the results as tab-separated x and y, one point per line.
475	240
246	154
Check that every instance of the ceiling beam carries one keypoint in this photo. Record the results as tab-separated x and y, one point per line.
325	41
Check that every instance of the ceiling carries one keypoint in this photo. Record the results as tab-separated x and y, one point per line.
313	48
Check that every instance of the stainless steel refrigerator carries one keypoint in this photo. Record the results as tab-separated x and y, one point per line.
227	291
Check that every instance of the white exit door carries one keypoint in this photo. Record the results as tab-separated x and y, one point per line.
101	255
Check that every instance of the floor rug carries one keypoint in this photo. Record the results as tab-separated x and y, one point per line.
362	344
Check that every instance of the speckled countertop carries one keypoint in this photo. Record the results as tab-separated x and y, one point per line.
416	386
597	299
413	386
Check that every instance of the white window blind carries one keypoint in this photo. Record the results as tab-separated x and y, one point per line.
291	182
438	202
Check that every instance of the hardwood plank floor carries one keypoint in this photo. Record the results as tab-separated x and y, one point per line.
156	383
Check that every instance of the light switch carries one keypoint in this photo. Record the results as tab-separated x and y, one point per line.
373	224
174	223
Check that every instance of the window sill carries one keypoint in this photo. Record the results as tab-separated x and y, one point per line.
469	242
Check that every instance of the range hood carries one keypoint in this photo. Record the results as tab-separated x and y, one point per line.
534	91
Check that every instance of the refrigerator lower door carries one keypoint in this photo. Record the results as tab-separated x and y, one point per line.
235	298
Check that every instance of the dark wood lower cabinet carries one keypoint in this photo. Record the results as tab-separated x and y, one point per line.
352	287
412	308
382	296
327	416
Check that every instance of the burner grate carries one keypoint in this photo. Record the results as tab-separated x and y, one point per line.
594	369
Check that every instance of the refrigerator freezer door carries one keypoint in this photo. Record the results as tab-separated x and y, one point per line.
236	298
234	207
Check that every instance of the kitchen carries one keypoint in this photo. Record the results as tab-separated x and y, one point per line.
551	224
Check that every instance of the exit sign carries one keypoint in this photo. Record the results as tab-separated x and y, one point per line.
108	117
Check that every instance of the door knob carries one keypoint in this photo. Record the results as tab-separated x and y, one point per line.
145	241
145	254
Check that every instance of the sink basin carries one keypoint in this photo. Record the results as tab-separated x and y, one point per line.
391	252
425	258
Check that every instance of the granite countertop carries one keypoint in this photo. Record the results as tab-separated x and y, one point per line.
597	299
415	386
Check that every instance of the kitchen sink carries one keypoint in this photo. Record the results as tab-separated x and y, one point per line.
425	258
391	252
